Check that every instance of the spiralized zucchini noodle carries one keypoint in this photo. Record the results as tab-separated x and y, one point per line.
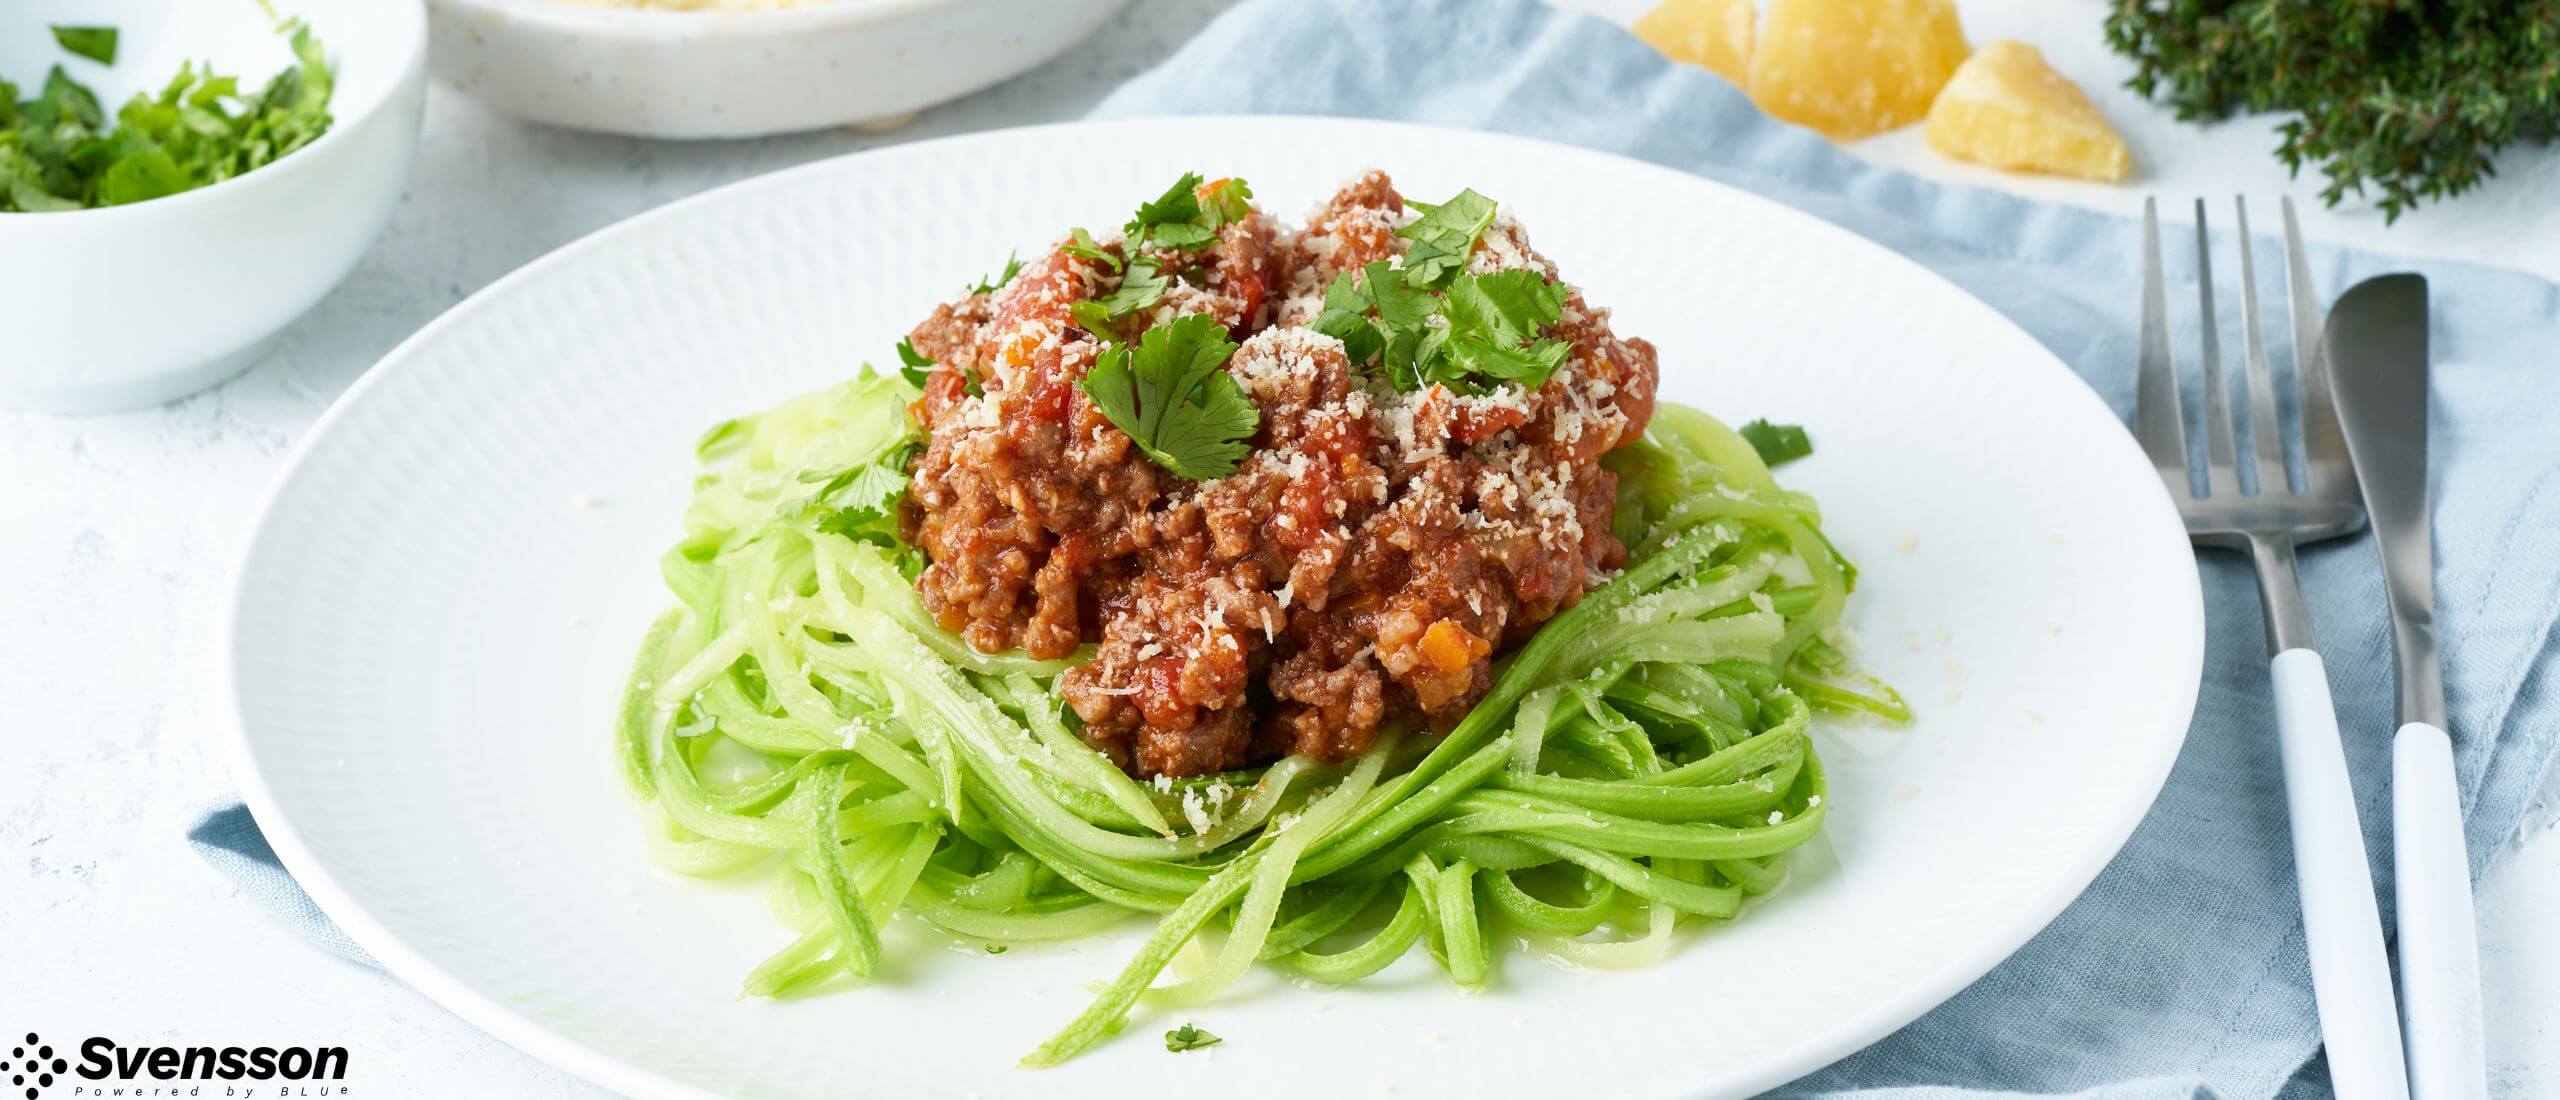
1641	761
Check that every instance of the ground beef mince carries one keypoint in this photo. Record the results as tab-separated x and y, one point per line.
1361	567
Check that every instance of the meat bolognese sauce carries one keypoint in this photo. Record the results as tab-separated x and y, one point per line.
1393	478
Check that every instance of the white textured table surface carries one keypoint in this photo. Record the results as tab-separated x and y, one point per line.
117	534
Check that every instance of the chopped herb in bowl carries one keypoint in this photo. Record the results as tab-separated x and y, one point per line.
60	150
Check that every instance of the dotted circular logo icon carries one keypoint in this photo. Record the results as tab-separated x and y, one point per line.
32	1067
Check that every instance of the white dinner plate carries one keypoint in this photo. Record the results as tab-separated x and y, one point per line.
435	617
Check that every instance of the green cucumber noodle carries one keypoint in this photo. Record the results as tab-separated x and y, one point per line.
1641	761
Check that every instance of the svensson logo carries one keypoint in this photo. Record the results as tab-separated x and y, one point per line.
34	1069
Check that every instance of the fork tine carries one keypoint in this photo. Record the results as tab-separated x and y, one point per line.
2325	467
2266	433
2158	417
2220	478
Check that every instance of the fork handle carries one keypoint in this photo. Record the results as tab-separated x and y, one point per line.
2341	922
2439	943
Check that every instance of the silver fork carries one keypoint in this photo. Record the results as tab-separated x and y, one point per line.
2268	516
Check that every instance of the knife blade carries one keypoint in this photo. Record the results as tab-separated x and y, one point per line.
2375	351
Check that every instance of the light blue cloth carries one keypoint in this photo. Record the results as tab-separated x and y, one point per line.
2180	972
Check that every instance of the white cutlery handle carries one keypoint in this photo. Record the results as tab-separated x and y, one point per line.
2439	942
2350	976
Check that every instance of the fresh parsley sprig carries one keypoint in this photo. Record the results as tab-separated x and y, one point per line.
1477	332
1482	331
1444	236
60	150
916	369
1186	218
95	43
1778	444
861	501
1172	395
984	285
912	364
1494	322
1081	244
1189	1037
1141	288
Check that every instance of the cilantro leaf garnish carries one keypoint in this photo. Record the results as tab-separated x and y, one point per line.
1179	204
1172	396
1491	317
1482	331
95	43
1081	243
62	151
1444	236
1180	219
1141	288
1228	200
1778	444
1183	219
1472	354
1346	318
1508	307
917	370
912	365
859	501
1188	1037
984	285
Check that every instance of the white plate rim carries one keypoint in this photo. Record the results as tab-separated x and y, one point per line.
531	1036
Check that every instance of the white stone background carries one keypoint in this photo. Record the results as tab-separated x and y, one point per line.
117	533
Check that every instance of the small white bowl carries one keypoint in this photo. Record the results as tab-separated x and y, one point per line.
707	73
126	306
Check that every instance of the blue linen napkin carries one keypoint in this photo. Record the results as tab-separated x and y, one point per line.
2180	972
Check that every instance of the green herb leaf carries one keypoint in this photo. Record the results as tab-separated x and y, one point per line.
1081	243
1507	307
1182	235
1229	200
1491	318
146	175
996	949
1472	354
67	102
1346	318
1173	397
1444	236
1484	330
859	501
1012	267
1141	288
1179	219
1778	444
1179	203
1188	1037
95	43
2412	100
1400	301
62	151
912	365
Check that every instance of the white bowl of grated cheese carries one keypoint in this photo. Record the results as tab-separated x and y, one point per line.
741	68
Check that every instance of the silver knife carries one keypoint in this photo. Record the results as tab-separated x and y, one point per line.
2376	346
